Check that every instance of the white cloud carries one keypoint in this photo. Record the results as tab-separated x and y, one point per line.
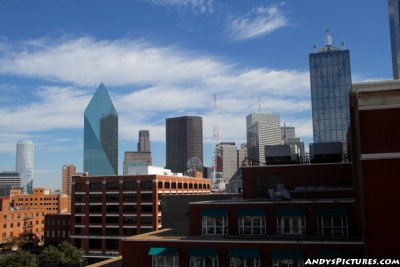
147	83
196	6
259	21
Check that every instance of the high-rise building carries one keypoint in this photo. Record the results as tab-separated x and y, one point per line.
68	171
229	159
144	144
262	129
100	156
25	164
9	180
394	23
184	138
330	77
133	159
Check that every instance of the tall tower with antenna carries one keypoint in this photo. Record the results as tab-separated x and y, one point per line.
216	176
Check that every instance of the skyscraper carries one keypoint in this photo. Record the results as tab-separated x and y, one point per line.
25	164
262	129
184	138
68	171
394	23
144	144
330	77
100	155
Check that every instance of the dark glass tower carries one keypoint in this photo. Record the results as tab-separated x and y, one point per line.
184	138
394	23
330	77
144	144
100	155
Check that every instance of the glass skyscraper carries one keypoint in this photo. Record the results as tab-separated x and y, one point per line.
330	76
100	155
394	23
25	164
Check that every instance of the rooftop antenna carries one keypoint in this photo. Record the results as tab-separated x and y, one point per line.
328	39
259	105
315	48
342	45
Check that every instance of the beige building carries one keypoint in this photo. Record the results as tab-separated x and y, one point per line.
68	171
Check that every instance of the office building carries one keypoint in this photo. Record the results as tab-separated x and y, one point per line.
57	228
25	164
262	129
9	180
107	209
134	159
394	24
16	221
68	171
288	135
184	141
144	144
375	113
229	159
100	155
330	77
48	200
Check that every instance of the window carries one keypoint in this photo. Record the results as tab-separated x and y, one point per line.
147	208
203	261
129	220
332	225
95	186
95	198
78	231
245	262
78	209
78	198
287	263
166	185
160	185
112	197
165	261
78	220
146	220
215	225
130	197
112	185
112	244
95	231
251	225
112	220
95	220
78	187
146	184
129	231
291	225
95	208
94	244
129	208
146	196
112	231
112	208
130	185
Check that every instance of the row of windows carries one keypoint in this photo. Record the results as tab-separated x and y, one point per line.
114	185
18	224
57	222
12	216
125	232
116	208
41	199
286	225
127	197
173	185
58	233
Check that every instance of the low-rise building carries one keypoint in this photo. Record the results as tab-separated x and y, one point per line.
106	209
57	228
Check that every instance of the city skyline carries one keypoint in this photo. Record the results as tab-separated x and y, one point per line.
169	66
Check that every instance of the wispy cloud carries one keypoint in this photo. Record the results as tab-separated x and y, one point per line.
147	83
196	6
259	21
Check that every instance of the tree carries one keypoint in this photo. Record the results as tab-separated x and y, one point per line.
28	240
19	259
72	255
51	256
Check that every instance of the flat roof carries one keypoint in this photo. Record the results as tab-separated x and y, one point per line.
270	201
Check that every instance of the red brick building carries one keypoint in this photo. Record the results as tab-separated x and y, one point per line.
106	209
57	228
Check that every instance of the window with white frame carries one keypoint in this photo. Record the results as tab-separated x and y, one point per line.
251	225
245	262
202	261
287	263
165	261
214	225
332	225
291	225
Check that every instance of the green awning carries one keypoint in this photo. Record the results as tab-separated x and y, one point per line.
244	253
331	254
331	211
290	212
287	254
202	252
250	212
163	251
214	212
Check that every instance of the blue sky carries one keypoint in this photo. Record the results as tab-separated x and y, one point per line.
165	58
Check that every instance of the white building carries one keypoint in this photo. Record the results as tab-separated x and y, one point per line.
262	129
25	164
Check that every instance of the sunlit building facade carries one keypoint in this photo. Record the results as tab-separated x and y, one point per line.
25	164
101	135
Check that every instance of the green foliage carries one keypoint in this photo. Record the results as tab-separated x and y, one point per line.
19	259
51	256
28	240
72	255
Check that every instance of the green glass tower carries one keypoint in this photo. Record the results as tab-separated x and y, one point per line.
100	155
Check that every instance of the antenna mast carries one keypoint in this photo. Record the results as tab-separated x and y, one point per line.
215	140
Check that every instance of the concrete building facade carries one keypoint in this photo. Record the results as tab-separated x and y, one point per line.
9	180
25	164
68	171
